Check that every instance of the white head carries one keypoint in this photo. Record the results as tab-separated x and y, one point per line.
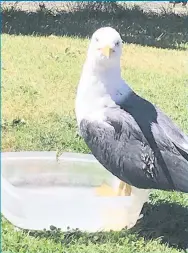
105	47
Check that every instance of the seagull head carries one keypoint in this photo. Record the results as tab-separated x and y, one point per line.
105	47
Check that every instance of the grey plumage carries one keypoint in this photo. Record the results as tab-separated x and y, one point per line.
141	146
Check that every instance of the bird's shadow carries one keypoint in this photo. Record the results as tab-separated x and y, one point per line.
165	221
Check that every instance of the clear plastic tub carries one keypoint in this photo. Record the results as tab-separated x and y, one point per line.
39	191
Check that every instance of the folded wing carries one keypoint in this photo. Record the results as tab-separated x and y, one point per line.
141	154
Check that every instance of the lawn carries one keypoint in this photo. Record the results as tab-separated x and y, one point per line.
39	81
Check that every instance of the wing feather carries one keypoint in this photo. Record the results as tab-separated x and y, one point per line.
173	132
143	157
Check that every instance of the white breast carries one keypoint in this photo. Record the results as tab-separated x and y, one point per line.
95	93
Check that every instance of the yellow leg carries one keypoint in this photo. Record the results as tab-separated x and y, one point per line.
120	188
105	190
124	189
127	191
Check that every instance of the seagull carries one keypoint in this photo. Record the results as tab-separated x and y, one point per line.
132	138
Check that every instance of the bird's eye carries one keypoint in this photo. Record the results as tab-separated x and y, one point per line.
96	39
117	43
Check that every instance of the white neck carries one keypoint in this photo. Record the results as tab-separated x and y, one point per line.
99	88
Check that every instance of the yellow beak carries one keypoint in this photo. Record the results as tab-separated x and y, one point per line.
107	51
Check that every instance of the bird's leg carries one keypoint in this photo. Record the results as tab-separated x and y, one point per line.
127	191
121	187
105	190
124	189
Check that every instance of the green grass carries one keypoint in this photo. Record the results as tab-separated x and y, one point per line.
39	80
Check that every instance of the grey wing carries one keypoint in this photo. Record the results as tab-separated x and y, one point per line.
144	113
119	145
172	131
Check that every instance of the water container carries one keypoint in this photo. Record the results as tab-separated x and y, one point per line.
39	190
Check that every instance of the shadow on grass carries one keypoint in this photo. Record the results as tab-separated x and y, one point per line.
166	29
169	222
